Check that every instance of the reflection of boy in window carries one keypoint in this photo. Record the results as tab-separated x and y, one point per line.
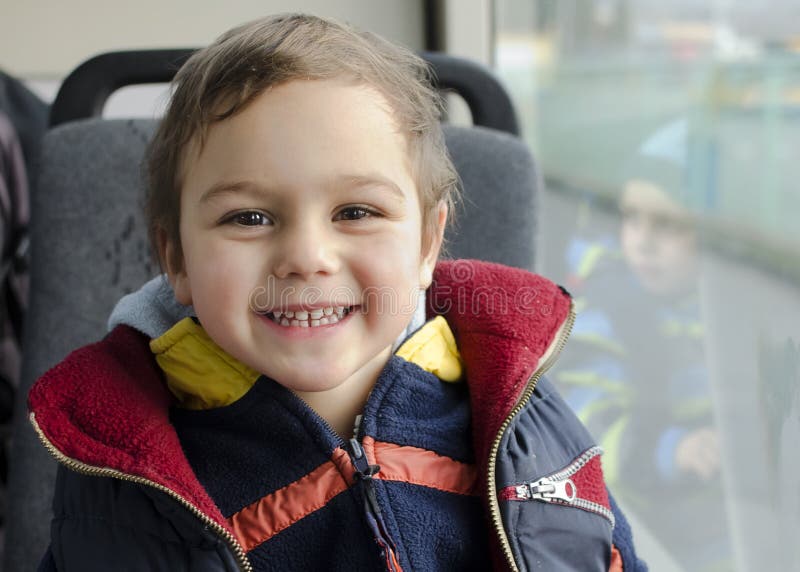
636	374
659	244
658	239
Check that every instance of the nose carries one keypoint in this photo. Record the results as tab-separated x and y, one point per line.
640	234
648	238
304	249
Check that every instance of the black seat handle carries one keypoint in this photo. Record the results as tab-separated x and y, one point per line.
85	91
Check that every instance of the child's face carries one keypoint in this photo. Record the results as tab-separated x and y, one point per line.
305	198
658	238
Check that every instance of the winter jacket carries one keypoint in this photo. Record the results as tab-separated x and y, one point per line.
132	497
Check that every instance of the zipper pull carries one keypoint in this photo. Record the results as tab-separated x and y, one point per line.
359	459
357	426
548	490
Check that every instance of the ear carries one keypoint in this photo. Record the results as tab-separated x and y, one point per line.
168	253
432	244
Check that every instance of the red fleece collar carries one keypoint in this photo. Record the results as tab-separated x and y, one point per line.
504	319
106	404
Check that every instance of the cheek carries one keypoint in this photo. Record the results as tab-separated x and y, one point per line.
389	265
627	238
681	251
397	251
221	275
388	268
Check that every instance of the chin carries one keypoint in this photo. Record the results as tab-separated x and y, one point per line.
313	383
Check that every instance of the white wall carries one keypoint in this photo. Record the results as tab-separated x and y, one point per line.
45	39
468	29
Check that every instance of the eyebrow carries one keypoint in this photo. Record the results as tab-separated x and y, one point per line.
372	180
344	181
231	187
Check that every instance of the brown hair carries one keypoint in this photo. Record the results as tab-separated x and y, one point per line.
221	80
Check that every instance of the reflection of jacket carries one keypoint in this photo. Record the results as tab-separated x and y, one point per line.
104	412
635	374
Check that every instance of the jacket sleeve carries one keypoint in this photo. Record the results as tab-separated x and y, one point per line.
622	540
101	521
47	564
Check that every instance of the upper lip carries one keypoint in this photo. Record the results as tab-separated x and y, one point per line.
308	307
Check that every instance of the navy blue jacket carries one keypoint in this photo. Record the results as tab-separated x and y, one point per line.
527	480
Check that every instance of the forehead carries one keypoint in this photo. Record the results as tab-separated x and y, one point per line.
304	129
646	197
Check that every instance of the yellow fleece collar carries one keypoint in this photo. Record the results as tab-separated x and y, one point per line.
199	372
433	348
202	375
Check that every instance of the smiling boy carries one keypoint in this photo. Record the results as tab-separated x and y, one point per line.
309	185
308	389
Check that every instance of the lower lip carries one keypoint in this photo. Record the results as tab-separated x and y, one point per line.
300	332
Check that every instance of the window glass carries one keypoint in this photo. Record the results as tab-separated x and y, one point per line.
669	138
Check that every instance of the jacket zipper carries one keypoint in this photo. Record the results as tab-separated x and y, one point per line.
494	506
559	488
364	472
77	466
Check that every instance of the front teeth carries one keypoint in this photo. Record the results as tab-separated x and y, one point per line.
312	319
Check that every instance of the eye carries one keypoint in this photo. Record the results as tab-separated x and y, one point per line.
673	225
249	218
354	213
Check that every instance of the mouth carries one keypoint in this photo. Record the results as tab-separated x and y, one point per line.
311	318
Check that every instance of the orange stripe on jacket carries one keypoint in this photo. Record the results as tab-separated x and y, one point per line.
271	514
421	467
275	512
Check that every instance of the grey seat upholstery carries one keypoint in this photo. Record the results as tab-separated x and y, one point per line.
89	247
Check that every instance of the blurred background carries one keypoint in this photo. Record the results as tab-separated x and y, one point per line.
668	136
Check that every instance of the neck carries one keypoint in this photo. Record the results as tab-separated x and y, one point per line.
340	405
